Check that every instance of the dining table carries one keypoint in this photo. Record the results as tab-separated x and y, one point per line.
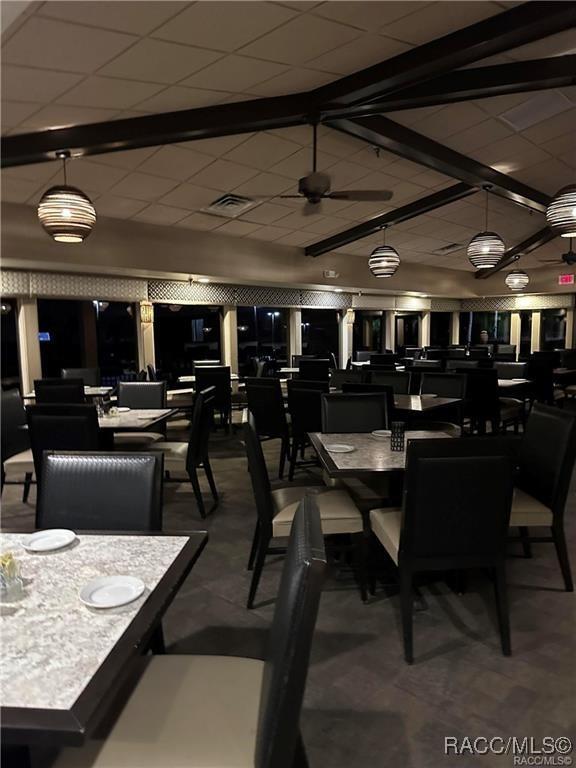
66	666
134	419
88	391
424	403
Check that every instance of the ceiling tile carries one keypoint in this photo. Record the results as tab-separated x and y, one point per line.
223	175
344	173
239	228
117	207
304	38
338	144
201	221
40	173
358	54
297	239
161	214
300	164
15	112
59	116
175	97
19	190
554	45
175	163
108	92
449	120
324	225
552	128
269	234
430	22
93	177
51	44
292	81
299	134
479	135
266	184
367	15
219	146
127	16
142	186
129	159
266	213
158	62
202	24
235	74
263	151
30	84
190	196
514	152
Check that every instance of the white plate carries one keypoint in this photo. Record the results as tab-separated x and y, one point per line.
145	416
339	448
381	433
111	591
46	541
123	409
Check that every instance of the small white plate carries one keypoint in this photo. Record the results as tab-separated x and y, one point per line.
111	591
145	416
381	433
123	409
339	448
46	541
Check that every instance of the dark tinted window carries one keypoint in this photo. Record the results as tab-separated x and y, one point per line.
10	367
262	332
439	329
320	332
553	329
184	333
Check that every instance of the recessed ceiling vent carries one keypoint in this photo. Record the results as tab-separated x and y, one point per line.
536	110
230	206
450	248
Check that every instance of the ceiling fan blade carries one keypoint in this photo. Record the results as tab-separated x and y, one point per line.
551	261
311	208
361	195
288	197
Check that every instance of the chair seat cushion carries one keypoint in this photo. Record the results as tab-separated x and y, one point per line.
174	454
140	439
20	463
185	712
338	513
527	511
386	524
510	408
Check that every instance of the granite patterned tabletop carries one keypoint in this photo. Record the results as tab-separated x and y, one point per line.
370	454
52	644
134	419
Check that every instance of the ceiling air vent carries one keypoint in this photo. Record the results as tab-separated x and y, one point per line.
536	110
230	206
450	248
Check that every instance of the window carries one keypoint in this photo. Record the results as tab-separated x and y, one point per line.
407	329
320	332
8	324
262	332
525	333
496	324
184	333
91	334
439	329
553	329
369	332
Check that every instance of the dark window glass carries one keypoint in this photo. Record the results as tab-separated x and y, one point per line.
553	329
496	324
87	334
369	330
320	332
184	333
525	333
439	329
465	327
262	332
407	329
10	367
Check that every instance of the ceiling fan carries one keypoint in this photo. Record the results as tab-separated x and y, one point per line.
315	187
568	258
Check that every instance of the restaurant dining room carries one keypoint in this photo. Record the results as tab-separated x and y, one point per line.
288	381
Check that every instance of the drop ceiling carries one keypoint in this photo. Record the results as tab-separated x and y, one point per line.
65	63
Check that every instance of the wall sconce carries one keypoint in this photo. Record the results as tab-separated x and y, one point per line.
146	312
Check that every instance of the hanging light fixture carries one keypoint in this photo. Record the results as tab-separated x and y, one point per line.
486	248
384	260
517	280
561	213
65	212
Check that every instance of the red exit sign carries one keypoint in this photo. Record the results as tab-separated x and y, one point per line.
565	279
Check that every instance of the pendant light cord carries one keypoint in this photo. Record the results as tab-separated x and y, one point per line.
64	168
314	145
486	217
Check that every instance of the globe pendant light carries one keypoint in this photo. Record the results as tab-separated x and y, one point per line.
65	212
517	280
486	248
561	213
384	260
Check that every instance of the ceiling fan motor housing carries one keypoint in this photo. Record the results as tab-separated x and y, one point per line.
314	186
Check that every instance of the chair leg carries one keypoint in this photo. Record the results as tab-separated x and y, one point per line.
562	552
300	759
406	611
193	475
258	566
502	608
525	539
254	547
283	452
360	556
157	645
293	457
27	484
210	478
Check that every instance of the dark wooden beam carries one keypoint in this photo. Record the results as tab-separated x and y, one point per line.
532	243
478	83
502	32
402	141
409	211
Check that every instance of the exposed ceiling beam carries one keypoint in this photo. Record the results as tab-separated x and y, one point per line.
532	243
402	141
410	211
479	83
510	29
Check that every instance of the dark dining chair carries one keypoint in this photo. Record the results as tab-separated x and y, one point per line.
59	391
546	462
140	395
398	380
340	377
461	365
305	408
455	516
218	378
443	384
266	404
101	491
317	370
355	412
17	460
201	711
189	457
276	510
90	376
383	359
318	385
511	370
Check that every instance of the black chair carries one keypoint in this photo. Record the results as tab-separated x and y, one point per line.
456	353
316	370
478	353
505	352
455	516
101	491
461	365
413	352
398	380
511	370
90	376
189	457
276	510
58	427
217	377
183	702
546	462
363	356
319	386
305	408
59	391
443	385
540	371
340	377
483	403
429	364
266	404
355	412
17	457
142	394
384	359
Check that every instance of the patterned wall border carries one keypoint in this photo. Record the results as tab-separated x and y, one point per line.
445	305
516	303
13	283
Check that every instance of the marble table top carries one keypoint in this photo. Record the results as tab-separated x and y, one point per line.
135	419
371	453
419	403
191	379
52	644
88	391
